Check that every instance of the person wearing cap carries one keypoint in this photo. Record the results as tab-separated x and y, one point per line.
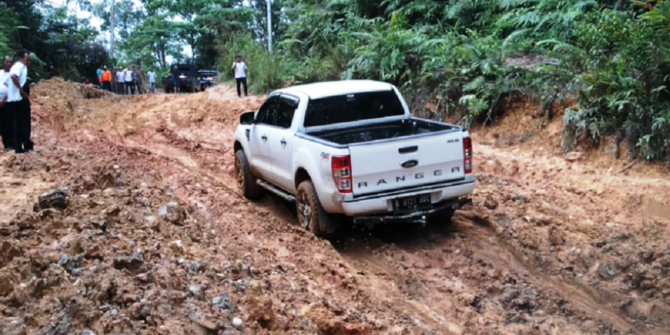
106	80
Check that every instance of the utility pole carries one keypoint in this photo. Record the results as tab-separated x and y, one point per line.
269	26
111	32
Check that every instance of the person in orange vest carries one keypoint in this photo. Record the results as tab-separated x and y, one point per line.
106	80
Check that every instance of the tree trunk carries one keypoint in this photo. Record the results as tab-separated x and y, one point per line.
192	43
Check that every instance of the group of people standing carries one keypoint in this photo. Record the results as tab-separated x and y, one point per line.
131	80
15	112
126	81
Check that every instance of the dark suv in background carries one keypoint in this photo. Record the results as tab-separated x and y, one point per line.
192	79
207	78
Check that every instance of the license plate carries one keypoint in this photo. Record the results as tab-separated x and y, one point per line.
411	203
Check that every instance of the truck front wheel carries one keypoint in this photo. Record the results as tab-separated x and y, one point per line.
246	181
311	214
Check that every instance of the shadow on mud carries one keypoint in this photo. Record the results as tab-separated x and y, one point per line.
355	236
399	233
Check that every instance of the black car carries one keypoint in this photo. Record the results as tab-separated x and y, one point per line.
207	78
191	80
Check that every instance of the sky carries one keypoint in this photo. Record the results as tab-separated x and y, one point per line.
95	22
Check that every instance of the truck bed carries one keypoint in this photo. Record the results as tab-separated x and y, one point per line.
383	131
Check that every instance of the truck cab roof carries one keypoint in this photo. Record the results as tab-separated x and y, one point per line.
331	88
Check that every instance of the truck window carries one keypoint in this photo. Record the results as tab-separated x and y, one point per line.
352	107
264	115
283	114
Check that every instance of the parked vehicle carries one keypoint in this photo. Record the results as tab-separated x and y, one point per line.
352	149
192	79
207	78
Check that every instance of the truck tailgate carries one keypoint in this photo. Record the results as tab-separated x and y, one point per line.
406	162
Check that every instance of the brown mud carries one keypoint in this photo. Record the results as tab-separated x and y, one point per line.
150	236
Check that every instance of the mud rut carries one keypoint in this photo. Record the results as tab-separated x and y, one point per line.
549	247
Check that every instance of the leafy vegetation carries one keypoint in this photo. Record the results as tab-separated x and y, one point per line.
465	58
64	44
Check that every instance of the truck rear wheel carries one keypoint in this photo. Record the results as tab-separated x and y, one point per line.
311	214
246	181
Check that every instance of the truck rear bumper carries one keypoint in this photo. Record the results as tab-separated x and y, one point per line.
442	196
418	216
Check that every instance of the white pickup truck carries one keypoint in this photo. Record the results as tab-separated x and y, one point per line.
352	149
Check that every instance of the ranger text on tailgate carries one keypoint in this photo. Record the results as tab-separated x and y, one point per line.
352	149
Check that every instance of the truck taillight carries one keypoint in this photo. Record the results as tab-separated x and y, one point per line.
341	167
467	151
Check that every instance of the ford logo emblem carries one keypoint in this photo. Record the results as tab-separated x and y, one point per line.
410	163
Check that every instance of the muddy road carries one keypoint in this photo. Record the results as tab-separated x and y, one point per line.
155	239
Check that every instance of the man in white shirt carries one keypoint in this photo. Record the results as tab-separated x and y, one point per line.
152	80
6	114
20	103
240	71
128	79
120	81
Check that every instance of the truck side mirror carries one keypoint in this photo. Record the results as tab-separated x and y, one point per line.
247	118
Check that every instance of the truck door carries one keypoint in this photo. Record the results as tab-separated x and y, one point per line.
260	139
282	138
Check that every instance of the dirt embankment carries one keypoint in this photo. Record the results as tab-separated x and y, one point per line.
154	238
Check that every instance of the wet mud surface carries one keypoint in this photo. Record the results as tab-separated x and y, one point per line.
128	222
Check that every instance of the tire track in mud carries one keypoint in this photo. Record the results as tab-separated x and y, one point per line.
579	295
484	245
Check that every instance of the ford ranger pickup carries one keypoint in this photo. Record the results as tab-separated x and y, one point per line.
352	149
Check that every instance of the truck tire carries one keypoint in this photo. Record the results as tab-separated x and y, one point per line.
246	181
311	214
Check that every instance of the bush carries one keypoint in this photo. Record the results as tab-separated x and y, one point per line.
623	86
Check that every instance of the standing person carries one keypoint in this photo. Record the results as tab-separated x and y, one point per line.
176	79
6	114
240	71
128	79
152	80
120	87
19	101
140	80
106	79
99	73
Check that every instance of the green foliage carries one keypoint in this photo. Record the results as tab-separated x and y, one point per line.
61	43
623	81
468	58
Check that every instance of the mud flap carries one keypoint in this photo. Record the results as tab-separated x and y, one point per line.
333	223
